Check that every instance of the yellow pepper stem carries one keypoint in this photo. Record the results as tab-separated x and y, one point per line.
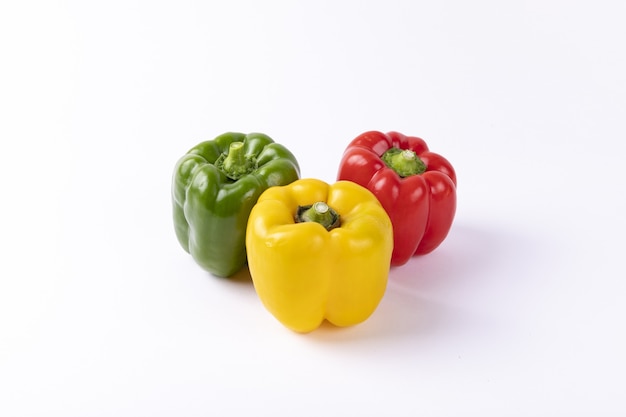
318	212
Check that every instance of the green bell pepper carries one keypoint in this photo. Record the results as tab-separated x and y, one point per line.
214	187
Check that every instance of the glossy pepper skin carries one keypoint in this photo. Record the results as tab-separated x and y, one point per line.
304	273
416	187
214	187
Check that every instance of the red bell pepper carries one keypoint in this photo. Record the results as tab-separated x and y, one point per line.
416	187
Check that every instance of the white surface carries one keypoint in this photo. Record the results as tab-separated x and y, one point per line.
520	312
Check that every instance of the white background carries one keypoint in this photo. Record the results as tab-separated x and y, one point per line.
519	312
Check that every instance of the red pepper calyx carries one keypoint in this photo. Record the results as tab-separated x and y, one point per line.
235	163
318	212
404	162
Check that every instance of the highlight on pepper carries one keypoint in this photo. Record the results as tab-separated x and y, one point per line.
416	187
214	187
319	252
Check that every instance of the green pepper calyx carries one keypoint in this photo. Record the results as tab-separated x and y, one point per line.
404	162
318	212
235	163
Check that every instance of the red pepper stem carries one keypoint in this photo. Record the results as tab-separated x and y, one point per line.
318	212
404	162
235	163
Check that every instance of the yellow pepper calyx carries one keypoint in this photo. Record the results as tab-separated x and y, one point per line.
318	212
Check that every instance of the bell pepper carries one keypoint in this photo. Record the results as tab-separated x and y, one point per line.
416	187
214	187
318	251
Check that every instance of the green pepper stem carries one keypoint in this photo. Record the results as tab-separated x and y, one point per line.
404	162
235	164
318	212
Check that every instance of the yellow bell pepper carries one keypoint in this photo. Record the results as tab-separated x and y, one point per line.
318	251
